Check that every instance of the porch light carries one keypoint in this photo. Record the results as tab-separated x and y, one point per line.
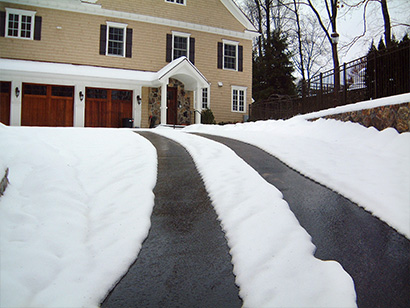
17	92
139	100
81	95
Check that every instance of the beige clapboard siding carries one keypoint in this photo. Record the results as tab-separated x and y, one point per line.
77	42
204	12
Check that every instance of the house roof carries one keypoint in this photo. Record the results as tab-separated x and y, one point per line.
239	14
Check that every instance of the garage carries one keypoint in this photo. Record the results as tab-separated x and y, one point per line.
107	107
5	90
47	105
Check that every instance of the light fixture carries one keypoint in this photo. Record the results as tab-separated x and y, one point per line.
220	84
139	100
81	95
17	92
334	37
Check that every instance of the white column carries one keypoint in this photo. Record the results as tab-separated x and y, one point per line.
197	104
137	108
15	103
164	107
79	106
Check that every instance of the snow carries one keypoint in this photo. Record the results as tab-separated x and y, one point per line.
78	207
74	215
367	166
271	253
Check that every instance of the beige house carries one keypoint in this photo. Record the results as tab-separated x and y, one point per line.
106	63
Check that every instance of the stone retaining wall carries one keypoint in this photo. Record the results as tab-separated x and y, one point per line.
396	116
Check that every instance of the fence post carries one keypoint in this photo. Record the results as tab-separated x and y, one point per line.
345	84
321	91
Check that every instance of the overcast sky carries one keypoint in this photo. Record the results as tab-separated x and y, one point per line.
351	24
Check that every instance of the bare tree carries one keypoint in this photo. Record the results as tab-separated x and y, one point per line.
333	37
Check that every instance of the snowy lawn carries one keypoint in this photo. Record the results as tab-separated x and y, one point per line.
271	253
369	167
74	215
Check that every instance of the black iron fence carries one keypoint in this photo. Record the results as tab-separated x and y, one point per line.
374	76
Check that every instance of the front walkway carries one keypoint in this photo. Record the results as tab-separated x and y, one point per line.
185	261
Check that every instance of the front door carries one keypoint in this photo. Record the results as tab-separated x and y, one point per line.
172	104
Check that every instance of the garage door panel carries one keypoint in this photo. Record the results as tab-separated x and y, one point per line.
47	105
107	107
5	91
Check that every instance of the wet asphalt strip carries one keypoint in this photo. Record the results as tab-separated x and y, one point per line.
374	254
185	260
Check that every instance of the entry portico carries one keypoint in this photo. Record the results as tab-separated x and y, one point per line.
85	81
183	70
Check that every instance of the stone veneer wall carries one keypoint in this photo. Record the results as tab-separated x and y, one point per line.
396	116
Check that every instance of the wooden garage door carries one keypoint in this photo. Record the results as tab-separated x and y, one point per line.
5	91
47	105
107	107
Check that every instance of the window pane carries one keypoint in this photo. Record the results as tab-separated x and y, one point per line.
204	98
62	91
235	100
241	100
121	95
13	25
34	89
116	41
230	56
25	26
180	46
96	93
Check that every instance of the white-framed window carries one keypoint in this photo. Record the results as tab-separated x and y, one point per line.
230	55
116	38
20	23
180	44
238	99
182	2
205	98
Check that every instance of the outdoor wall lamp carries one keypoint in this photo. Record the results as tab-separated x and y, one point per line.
334	37
139	100
81	95
17	92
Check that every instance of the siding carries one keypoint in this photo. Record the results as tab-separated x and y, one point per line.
204	12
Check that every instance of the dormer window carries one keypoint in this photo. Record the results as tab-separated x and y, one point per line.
182	2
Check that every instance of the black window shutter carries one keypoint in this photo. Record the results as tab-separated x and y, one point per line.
103	39
220	54
192	50
37	28
169	48
128	50
2	23
240	58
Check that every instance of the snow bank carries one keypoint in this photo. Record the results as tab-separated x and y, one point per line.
385	101
271	253
74	215
369	167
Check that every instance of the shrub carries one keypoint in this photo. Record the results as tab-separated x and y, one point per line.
207	117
